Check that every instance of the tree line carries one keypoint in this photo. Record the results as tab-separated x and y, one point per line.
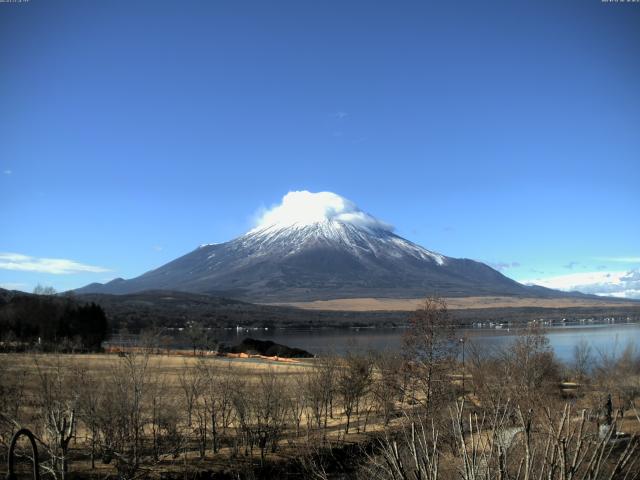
51	322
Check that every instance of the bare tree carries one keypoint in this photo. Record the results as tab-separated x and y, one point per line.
57	406
412	455
163	417
320	390
582	359
618	374
198	336
388	384
191	383
44	290
354	379
315	397
297	400
12	396
430	349
556	446
89	395
532	369
122	414
218	400
202	417
270	406
241	399
150	339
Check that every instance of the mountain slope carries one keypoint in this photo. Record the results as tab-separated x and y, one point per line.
319	260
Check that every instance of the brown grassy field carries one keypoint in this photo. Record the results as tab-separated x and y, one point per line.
168	371
453	303
166	366
272	422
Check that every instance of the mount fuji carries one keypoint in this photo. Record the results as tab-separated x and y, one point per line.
320	246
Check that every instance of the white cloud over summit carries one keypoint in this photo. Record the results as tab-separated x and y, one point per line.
623	284
306	208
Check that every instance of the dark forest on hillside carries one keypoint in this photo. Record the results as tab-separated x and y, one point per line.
51	322
171	309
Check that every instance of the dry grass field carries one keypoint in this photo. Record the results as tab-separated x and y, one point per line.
453	303
168	367
148	415
270	393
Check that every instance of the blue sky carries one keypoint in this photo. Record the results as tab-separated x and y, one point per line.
504	131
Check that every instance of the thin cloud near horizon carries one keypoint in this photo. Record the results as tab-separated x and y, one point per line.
622	284
619	259
55	266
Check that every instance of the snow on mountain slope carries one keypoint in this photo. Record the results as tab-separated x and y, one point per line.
360	241
315	246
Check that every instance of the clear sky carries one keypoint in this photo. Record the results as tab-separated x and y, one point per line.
503	131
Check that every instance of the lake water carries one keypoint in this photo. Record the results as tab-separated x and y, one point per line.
609	338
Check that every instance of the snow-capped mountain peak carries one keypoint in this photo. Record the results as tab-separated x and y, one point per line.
360	240
303	208
315	246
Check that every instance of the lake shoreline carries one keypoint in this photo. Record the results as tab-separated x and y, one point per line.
604	336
